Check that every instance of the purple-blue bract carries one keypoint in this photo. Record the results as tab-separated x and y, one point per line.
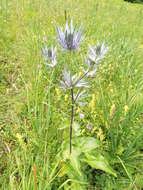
71	38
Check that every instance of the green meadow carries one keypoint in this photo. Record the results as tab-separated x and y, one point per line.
35	111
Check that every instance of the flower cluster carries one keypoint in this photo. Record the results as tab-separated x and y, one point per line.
70	39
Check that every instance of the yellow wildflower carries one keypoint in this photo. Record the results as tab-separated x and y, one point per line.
100	134
126	108
19	137
20	140
80	73
111	90
66	97
78	110
112	110
57	91
92	103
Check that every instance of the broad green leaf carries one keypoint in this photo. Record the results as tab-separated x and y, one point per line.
86	144
71	160
66	150
74	160
73	172
99	162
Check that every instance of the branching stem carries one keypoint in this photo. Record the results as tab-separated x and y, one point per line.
81	77
72	108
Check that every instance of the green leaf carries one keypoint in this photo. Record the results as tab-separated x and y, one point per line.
72	160
99	162
139	181
75	162
78	186
73	172
62	170
74	184
76	129
120	150
86	144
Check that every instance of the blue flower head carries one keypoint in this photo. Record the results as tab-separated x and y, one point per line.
71	38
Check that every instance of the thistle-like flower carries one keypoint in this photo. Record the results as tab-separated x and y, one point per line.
95	55
71	38
70	81
49	55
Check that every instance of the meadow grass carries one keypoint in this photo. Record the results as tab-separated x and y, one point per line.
34	112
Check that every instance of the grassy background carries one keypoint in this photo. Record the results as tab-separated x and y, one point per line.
32	110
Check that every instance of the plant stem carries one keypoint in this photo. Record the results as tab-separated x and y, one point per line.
81	77
65	15
71	123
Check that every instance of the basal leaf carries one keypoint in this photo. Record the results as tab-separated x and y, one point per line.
86	144
99	162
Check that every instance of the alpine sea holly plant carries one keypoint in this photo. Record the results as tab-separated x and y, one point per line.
78	149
